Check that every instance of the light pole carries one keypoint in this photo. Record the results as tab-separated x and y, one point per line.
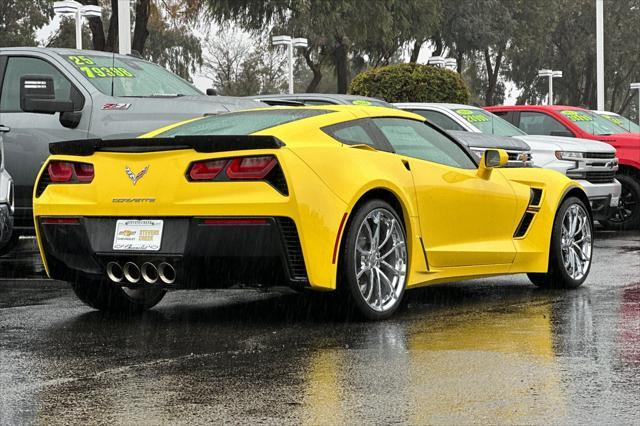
600	53
443	62
77	10
290	43
636	86
124	27
551	74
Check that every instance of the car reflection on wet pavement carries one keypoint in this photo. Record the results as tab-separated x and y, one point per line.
496	350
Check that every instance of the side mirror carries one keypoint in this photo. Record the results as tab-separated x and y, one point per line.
563	133
491	159
212	92
37	95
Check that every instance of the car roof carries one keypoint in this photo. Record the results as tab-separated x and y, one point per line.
343	113
67	52
605	112
434	105
534	107
340	98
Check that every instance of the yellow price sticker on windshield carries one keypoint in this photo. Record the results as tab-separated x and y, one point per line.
613	119
102	72
472	116
576	115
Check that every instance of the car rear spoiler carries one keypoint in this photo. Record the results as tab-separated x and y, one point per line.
85	147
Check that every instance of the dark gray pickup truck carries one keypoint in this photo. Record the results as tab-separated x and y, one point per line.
79	94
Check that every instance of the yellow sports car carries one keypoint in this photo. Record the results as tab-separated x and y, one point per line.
366	200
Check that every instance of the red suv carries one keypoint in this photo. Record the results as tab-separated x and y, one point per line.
559	120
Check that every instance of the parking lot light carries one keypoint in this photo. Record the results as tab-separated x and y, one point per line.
290	43
636	86
77	11
551	74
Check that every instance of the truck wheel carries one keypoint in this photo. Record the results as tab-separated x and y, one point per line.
374	260
627	215
105	296
10	244
571	247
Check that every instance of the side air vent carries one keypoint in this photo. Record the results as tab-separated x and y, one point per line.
295	260
524	225
536	197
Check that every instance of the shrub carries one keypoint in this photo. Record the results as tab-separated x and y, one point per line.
411	83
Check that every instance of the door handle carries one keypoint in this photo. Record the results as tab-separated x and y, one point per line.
4	129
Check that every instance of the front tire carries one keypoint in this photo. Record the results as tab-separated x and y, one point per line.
571	247
106	296
374	260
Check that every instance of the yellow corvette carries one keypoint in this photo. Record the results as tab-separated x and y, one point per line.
366	200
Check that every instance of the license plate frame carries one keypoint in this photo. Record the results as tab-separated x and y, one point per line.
138	235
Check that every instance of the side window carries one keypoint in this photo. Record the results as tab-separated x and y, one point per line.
21	65
439	119
419	140
537	123
505	115
352	133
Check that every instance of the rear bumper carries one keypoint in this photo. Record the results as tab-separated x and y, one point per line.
604	197
262	251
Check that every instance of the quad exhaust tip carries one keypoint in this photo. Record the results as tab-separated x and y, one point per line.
167	273
147	272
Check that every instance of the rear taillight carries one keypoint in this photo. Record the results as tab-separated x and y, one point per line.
260	167
206	170
251	167
70	172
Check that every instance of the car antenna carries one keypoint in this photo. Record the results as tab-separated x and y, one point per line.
113	65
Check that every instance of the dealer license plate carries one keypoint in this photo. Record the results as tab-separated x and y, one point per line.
143	235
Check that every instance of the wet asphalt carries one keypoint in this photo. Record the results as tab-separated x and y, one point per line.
492	351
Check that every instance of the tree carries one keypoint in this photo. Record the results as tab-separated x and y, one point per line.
19	20
411	83
338	32
239	65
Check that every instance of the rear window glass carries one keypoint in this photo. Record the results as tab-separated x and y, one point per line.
241	123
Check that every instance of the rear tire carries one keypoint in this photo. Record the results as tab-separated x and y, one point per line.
10	244
627	214
571	249
374	260
106	296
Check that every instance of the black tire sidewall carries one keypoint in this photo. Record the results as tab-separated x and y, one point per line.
347	282
632	183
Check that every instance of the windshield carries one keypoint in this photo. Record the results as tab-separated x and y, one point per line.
621	121
130	77
592	123
488	123
241	123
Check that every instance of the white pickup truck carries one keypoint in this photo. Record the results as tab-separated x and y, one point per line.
593	164
6	203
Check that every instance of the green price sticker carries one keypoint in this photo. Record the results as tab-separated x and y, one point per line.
90	69
472	116
576	115
614	119
360	102
102	72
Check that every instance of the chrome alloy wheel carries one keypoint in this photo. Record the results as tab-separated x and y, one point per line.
381	260
576	243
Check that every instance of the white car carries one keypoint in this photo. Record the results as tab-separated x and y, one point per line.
619	120
593	164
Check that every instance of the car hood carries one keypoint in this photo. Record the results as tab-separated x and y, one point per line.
482	140
566	144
